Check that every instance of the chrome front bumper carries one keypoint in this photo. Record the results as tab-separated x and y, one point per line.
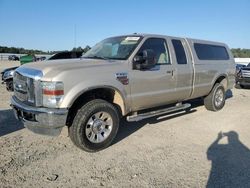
44	121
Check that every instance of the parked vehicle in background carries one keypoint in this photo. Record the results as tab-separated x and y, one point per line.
242	77
7	78
125	76
239	66
66	55
13	58
7	74
42	58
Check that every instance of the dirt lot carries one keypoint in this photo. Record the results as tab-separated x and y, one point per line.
180	150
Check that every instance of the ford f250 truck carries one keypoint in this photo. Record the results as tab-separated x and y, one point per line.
124	76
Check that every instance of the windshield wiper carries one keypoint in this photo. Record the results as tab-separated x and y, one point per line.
96	57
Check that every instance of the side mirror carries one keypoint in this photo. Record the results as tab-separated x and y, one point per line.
145	61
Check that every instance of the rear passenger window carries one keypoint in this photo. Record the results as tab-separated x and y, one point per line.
210	52
179	52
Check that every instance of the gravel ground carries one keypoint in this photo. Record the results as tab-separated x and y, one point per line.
179	150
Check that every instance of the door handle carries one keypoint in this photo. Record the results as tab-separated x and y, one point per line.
170	72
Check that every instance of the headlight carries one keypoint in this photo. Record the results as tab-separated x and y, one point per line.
53	93
8	74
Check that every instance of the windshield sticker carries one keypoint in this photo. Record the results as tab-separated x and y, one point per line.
128	42
132	38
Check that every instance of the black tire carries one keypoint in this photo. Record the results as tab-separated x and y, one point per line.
77	131
237	86
210	101
9	85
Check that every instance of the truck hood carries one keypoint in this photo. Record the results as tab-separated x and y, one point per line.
57	66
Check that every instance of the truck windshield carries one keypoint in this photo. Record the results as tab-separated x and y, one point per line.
114	48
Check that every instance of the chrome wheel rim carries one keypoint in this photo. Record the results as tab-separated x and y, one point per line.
219	97
99	127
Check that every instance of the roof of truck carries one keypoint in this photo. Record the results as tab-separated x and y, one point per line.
190	39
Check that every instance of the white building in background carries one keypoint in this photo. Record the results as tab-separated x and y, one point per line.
244	61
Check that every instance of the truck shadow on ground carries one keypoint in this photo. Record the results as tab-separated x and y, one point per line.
128	128
230	162
8	122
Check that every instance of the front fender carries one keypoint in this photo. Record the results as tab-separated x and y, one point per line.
79	89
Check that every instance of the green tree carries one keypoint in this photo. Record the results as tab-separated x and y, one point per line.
241	53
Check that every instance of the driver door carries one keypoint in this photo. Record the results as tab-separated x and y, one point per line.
155	86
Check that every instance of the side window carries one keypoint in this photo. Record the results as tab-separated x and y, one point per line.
159	46
210	52
179	52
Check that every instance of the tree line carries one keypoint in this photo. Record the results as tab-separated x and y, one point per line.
243	53
237	52
14	50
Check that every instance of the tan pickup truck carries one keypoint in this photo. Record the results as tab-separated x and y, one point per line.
124	76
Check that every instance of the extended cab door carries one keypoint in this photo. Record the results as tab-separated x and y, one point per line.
155	86
183	71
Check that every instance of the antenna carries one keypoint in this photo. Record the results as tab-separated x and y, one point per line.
75	36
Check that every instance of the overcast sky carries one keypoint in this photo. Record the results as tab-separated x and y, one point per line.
59	24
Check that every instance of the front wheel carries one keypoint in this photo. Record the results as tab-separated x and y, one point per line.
216	99
95	125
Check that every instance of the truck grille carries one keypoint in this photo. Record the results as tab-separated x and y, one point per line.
245	73
24	88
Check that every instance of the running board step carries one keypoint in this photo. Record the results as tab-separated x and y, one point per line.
139	117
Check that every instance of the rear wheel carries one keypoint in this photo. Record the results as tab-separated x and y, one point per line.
216	99
95	126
